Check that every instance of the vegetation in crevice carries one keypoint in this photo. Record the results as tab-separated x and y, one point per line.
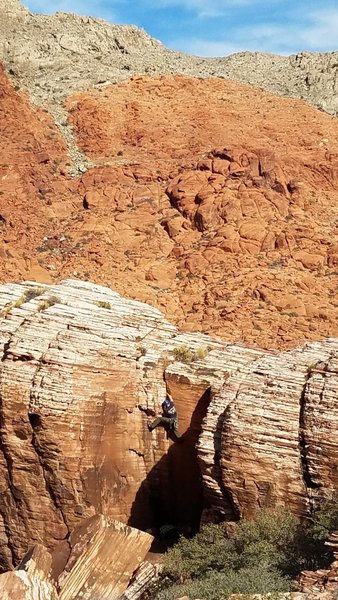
47	302
186	355
103	304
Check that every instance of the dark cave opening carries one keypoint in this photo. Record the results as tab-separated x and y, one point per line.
170	500
35	420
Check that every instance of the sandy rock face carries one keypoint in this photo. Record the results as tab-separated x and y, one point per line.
60	411
104	555
272	444
31	579
82	373
263	440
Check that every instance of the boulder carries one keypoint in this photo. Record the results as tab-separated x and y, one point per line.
31	579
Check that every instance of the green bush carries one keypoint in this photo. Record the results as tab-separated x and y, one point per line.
325	519
207	551
262	555
218	585
272	540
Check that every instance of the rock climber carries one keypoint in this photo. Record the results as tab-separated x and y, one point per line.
169	417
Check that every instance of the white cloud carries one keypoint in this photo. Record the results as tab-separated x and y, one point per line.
203	8
316	32
323	32
201	47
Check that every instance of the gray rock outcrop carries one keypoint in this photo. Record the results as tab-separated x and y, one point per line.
53	56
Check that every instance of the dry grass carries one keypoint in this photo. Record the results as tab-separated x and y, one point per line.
44	304
103	304
186	355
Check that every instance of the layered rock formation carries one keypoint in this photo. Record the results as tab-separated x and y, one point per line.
31	579
272	426
82	372
98	560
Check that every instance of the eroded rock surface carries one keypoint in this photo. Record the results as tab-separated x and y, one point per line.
104	555
267	425
31	580
229	228
78	384
101	558
83	370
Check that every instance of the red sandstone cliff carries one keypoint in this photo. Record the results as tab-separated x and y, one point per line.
81	379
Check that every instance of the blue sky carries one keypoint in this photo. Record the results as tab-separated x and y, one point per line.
218	27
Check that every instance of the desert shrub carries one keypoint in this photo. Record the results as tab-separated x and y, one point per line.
47	302
267	542
201	353
324	522
28	294
263	555
103	304
6	310
183	354
186	355
325	519
19	301
218	585
33	292
208	550
273	540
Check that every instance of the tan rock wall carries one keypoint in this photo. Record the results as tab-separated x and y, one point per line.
277	434
80	380
78	385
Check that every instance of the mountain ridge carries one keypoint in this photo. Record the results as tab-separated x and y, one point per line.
54	56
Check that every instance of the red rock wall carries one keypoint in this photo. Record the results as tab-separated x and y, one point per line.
80	381
217	211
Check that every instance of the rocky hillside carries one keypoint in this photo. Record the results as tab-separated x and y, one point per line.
53	56
83	370
213	202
